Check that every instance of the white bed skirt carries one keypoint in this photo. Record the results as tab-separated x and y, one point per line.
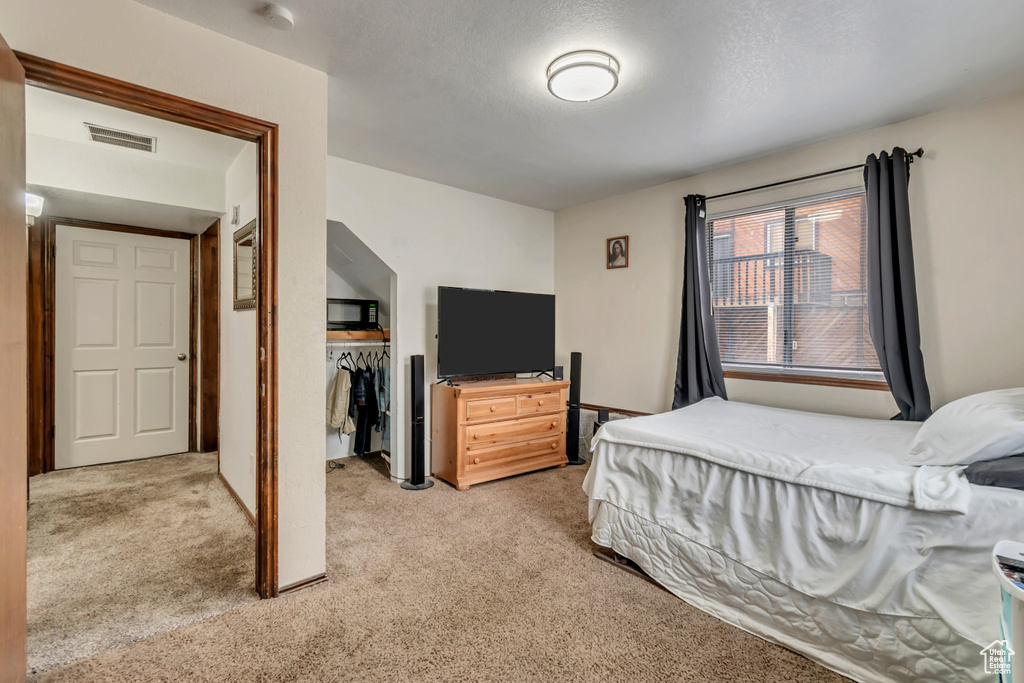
868	647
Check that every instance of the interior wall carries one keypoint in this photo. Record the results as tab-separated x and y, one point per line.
337	288
155	50
432	235
238	340
967	213
122	174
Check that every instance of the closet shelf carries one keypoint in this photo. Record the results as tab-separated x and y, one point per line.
346	335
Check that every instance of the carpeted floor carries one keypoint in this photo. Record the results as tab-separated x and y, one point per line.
495	584
121	552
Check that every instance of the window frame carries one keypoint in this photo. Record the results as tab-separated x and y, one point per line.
824	376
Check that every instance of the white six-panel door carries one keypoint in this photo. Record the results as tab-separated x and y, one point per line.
121	343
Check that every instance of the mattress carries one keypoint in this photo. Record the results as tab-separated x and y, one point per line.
838	540
867	647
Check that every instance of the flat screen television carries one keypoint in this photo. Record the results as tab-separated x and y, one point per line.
487	332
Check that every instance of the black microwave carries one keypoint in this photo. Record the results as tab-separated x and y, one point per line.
351	314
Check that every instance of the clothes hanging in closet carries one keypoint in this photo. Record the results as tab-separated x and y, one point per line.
338	403
383	385
363	406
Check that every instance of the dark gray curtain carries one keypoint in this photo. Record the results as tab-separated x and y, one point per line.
892	292
699	368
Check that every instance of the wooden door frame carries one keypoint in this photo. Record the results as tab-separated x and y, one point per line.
42	299
208	283
49	75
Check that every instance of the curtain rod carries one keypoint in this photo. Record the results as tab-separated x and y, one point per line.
910	158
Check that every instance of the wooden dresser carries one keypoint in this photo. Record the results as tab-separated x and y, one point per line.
480	431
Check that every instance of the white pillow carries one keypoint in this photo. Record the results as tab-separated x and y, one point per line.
984	426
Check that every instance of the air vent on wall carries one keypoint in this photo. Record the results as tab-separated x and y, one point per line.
120	138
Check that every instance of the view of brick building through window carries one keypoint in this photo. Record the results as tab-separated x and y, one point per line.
789	286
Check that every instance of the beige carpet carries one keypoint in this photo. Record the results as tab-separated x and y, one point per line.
118	553
495	584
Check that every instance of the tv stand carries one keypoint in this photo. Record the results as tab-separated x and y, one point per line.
488	430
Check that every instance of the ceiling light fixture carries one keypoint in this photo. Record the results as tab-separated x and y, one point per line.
583	76
33	205
279	17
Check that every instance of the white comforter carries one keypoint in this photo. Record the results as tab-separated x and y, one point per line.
817	502
842	454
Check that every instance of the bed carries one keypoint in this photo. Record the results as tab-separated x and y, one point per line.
805	530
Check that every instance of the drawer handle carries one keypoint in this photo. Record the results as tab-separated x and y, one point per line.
554	446
540	402
554	424
476	436
493	408
476	461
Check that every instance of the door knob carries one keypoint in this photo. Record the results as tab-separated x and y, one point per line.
182	356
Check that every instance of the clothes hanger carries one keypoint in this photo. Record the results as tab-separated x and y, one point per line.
345	357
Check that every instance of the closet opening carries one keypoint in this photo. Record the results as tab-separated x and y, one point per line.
360	357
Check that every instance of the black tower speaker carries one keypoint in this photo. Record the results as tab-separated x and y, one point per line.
416	480
572	431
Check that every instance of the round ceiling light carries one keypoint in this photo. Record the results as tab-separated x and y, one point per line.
583	76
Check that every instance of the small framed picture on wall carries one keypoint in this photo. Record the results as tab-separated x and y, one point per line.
617	252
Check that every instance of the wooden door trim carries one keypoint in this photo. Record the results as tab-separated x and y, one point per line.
193	342
117	227
40	345
44	73
209	335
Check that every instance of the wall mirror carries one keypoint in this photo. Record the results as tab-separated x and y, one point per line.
245	267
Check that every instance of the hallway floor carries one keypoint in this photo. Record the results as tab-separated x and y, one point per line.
122	552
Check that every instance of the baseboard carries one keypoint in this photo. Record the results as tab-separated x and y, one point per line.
305	583
238	499
622	411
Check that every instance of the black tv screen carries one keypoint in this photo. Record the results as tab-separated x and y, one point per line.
486	332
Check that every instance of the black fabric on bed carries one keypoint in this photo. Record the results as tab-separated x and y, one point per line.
1005	472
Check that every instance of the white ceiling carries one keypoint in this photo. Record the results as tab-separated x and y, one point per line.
454	90
63	117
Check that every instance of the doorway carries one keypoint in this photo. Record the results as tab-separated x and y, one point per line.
122	365
79	83
127	299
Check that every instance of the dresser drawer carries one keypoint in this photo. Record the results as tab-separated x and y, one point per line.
538	403
513	430
498	456
490	409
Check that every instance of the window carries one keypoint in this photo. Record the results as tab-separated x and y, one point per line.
789	288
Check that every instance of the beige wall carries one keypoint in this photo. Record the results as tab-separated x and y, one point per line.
108	172
129	41
967	210
238	376
430	235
